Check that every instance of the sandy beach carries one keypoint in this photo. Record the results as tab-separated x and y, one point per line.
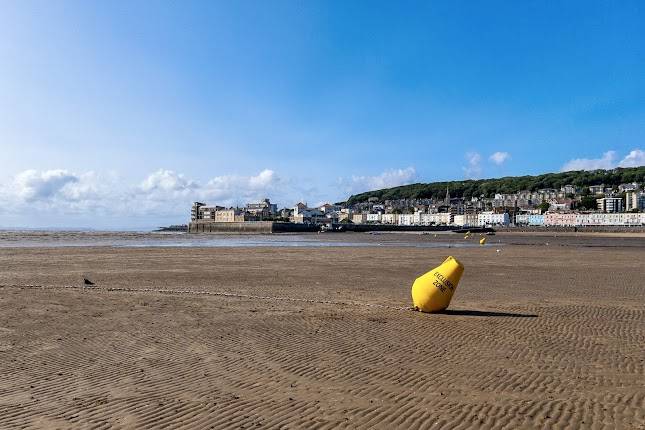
549	332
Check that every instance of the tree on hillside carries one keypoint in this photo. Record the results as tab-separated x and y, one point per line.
507	185
588	202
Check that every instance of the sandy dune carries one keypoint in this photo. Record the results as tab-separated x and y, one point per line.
538	337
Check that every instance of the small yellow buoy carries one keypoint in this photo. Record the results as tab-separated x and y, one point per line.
432	292
482	241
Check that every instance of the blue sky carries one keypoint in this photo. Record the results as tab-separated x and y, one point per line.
118	114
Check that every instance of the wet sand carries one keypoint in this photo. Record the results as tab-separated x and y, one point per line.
538	336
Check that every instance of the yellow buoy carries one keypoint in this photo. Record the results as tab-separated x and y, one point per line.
482	241
432	292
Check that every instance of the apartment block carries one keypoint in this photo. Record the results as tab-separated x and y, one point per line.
610	204
359	218
634	200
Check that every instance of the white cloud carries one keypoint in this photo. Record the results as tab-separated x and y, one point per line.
163	194
85	186
635	158
387	179
32	185
473	170
58	191
608	161
499	157
264	179
228	189
167	180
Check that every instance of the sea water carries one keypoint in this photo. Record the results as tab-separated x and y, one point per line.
24	239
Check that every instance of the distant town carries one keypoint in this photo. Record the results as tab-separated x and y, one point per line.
568	206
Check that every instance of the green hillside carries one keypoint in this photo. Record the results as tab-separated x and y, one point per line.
509	184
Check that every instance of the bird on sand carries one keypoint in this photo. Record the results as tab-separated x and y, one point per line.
87	282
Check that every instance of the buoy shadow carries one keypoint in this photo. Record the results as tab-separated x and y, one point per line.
473	313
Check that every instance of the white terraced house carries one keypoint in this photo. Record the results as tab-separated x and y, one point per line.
490	218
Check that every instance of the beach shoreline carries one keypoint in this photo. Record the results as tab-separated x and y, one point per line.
539	336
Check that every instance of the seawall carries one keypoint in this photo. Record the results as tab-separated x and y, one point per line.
266	227
581	229
389	227
249	227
